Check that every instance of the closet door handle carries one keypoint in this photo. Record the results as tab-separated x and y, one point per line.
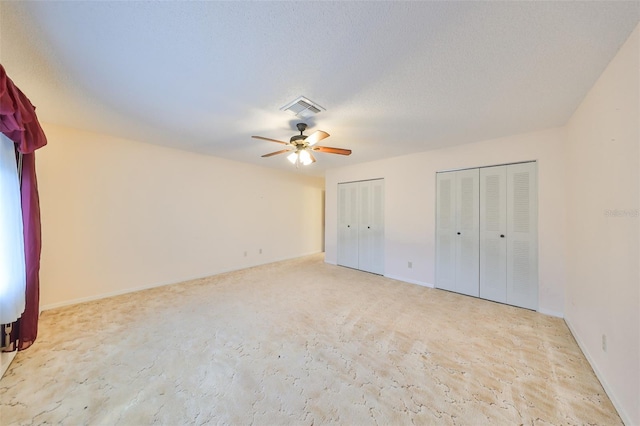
348	226
368	227
501	235
458	233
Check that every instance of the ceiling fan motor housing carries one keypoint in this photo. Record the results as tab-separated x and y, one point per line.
297	139
294	139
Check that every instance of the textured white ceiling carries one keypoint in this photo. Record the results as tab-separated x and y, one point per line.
395	77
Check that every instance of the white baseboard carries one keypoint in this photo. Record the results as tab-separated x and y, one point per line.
410	281
162	284
393	277
626	419
551	313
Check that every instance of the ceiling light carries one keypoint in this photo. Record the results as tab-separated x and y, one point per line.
293	157
305	158
300	148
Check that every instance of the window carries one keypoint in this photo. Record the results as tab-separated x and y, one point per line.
12	272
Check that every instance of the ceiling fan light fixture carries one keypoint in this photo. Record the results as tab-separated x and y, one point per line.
305	158
301	147
300	157
293	157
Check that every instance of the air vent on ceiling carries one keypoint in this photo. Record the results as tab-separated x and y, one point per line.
303	107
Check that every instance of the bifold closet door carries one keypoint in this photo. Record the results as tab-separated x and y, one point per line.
361	225
467	232
522	235
493	230
508	235
486	233
371	226
457	231
446	231
348	224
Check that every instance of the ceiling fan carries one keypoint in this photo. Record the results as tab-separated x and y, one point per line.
301	147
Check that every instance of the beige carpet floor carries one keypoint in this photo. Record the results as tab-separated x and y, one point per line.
301	342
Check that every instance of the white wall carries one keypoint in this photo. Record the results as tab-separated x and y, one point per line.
603	279
589	193
410	205
120	215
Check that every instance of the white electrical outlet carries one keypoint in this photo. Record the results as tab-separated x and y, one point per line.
604	342
409	265
245	254
259	251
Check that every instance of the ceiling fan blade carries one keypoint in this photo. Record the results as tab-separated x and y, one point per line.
330	150
313	159
270	140
316	137
277	152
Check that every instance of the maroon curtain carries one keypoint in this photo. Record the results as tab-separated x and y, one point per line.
18	121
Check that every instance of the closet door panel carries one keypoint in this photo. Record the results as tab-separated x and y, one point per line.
365	237
348	224
522	232
361	225
467	232
376	225
493	229
371	226
445	231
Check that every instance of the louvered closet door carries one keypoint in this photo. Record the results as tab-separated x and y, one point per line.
446	231
493	230
522	236
467	232
371	226
348	224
